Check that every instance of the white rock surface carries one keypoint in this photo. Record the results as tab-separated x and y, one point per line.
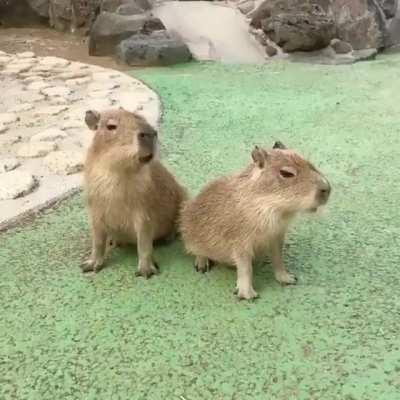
61	91
15	184
26	54
42	108
38	84
8	118
49	135
50	110
8	164
36	149
65	162
22	108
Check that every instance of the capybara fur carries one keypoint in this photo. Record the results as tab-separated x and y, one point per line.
237	218
131	196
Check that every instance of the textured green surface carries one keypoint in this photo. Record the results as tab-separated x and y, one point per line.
183	335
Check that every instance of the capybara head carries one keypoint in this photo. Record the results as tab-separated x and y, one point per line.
120	133
291	182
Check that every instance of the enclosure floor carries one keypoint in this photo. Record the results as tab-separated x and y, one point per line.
183	335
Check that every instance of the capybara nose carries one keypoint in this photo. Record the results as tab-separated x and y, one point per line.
324	190
148	139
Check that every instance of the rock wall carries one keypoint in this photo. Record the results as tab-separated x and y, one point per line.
308	25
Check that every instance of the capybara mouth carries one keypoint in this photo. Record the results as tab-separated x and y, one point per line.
146	159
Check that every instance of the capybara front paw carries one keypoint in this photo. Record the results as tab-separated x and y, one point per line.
91	265
202	264
246	293
286	278
147	271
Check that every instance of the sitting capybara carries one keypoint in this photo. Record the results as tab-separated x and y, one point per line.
236	218
131	196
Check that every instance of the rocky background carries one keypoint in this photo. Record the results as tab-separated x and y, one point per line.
128	30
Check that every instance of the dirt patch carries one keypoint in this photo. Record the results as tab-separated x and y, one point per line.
48	42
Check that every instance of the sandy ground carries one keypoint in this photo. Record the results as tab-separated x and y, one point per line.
48	42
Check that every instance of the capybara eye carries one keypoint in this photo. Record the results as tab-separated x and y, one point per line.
111	127
142	135
285	173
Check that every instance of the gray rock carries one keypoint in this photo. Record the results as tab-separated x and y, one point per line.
110	5
340	46
389	7
60	13
72	14
155	49
329	57
245	6
365	55
110	29
295	25
41	7
114	5
129	9
393	36
361	23
270	50
16	184
18	13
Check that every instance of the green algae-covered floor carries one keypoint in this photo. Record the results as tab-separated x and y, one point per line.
183	335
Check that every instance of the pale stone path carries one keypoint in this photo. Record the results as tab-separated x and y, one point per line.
43	137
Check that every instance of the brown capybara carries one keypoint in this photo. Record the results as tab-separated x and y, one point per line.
131	196
237	218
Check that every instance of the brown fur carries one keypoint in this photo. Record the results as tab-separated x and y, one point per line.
132	198
236	218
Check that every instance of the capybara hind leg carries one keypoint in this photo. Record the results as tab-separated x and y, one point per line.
280	271
202	264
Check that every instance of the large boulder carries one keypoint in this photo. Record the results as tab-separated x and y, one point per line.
393	37
113	5
308	24
69	15
22	12
40	7
129	9
389	7
159	48
110	29
60	13
295	25
360	22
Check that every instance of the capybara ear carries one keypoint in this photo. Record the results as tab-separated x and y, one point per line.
92	119
279	145
259	156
